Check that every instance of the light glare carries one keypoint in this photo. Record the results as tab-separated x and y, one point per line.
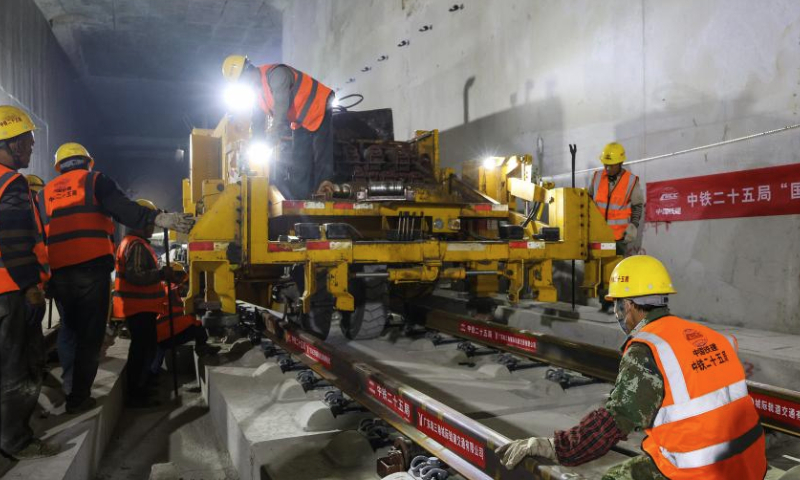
259	153
239	97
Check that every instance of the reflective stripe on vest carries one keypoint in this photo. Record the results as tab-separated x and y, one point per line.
7	284
706	420
181	321
614	205
309	98
130	299
76	227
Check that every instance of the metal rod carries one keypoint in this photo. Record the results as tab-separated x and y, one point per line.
469	273
573	150
171	318
50	315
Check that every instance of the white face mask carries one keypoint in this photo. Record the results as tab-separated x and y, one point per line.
620	314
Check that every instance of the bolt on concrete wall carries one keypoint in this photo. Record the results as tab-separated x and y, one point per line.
36	76
512	76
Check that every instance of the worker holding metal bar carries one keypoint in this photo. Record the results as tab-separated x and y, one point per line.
185	328
618	196
24	270
298	106
138	298
78	209
679	381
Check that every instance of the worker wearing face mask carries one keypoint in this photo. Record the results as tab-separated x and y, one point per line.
679	381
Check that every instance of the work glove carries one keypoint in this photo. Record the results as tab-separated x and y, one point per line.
180	222
511	454
34	296
630	233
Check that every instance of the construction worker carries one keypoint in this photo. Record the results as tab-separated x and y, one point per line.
618	196
186	327
679	381
78	208
299	107
23	272
138	298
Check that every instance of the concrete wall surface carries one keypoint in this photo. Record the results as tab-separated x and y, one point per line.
508	76
36	76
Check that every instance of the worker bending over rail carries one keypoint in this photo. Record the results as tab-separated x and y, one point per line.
679	381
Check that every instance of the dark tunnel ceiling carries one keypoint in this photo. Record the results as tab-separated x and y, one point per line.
152	67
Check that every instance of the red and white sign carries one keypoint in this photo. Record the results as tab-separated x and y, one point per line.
394	401
746	193
311	351
498	336
778	409
452	438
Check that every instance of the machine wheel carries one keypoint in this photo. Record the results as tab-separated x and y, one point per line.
318	321
371	314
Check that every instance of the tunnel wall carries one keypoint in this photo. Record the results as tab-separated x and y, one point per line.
36	75
518	76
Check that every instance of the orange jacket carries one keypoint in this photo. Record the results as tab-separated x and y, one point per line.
76	227
181	321
615	206
130	299
308	103
7	284
707	426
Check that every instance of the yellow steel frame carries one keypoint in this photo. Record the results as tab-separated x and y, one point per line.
231	238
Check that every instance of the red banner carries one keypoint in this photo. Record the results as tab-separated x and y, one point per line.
746	193
394	401
452	438
498	336
777	408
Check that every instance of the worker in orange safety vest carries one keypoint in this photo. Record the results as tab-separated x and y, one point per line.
679	381
298	106
186	327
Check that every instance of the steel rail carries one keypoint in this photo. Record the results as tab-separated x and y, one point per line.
779	408
464	444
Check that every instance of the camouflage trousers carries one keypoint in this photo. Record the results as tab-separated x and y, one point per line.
637	468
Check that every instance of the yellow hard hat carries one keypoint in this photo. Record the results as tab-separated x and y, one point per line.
35	182
72	150
233	66
613	154
14	122
177	267
638	276
147	203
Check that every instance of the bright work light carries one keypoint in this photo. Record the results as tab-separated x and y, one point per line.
239	97
259	153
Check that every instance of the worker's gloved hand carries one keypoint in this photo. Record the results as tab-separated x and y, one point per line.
512	454
326	188
180	222
34	296
630	233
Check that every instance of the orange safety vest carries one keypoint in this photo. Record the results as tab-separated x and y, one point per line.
7	284
309	98
615	206
76	226
181	321
130	299
707	426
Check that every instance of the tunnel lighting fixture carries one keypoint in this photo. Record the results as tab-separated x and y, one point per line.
259	153
239	97
489	163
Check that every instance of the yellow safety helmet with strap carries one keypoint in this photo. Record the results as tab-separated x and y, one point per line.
613	154
72	150
14	122
233	67
639	276
147	203
35	182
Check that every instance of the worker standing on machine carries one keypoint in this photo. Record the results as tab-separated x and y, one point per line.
187	327
23	271
138	298
679	381
299	107
618	196
77	209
